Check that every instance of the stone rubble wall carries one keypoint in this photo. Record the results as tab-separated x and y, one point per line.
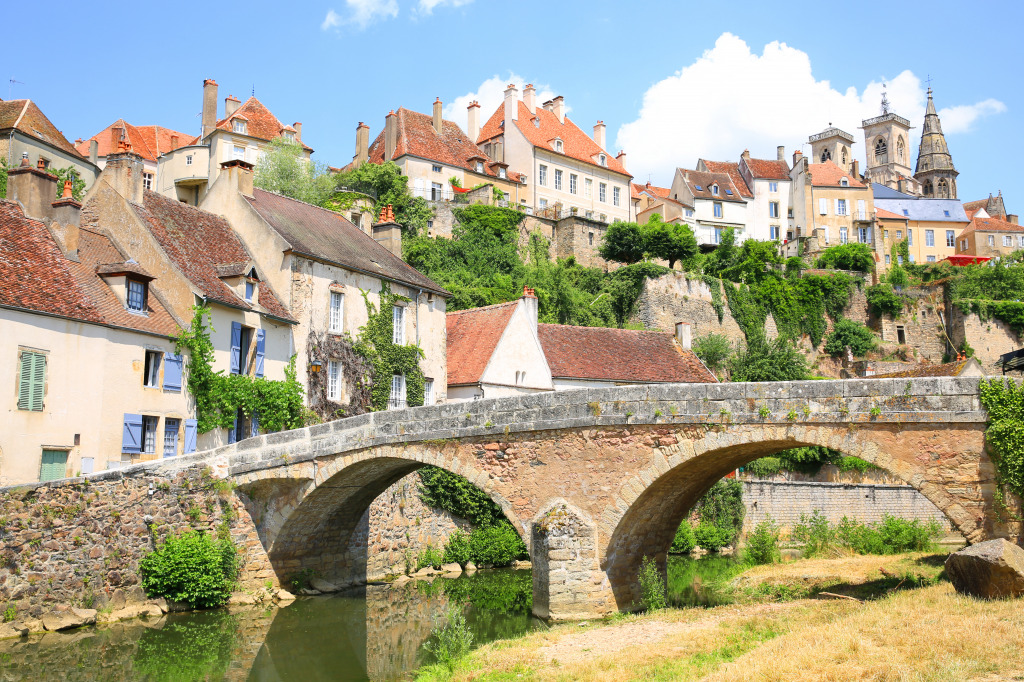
989	339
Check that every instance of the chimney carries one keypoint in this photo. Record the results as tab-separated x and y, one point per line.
298	130
67	215
473	120
362	144
530	305
683	335
856	169
174	143
390	135
1012	218
231	104
530	98
239	172
780	153
123	173
33	188
94	150
549	105
797	155
511	104
387	232
115	139
438	123
599	134
621	158
209	106
558	108
745	155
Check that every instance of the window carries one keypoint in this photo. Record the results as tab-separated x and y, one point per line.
333	380
436	191
899	234
930	259
543	203
238	153
151	377
718	235
773	232
149	425
714	190
171	437
588	188
823	206
589	215
1007	240
945	213
929	237
885	234
428	392
861	213
881	152
906	212
501	173
864	235
901	335
250	289
689	213
844	183
602	192
573	180
479	166
238	126
718	210
147	180
950	238
991	240
31	381
844	236
773	209
615	196
337	324
53	465
899	259
789	213
542	175
603	160
590	238
558	179
910	237
398	325
245	359
188	160
841	207
886	259
435	168
1020	241
963	244
136	295
773	187
396	401
558	145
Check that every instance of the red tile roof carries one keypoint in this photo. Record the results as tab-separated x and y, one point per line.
542	128
991	225
733	171
949	369
828	174
472	337
149	142
695	179
23	115
260	122
417	137
197	243
768	169
38	277
889	215
623	355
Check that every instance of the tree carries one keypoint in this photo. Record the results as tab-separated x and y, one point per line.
752	262
623	242
713	350
856	257
859	338
764	360
283	169
724	254
386	182
672	242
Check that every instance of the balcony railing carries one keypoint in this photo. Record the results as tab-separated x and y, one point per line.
397	404
440	194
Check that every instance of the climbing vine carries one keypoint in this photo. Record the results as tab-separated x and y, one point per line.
1004	400
218	397
375	343
357	376
69	173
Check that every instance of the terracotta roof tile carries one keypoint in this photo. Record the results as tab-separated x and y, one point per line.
417	137
992	225
24	116
705	181
542	128
472	337
828	174
260	122
624	355
768	169
889	215
950	369
733	171
149	142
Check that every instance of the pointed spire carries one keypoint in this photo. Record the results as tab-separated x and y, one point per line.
935	170
930	111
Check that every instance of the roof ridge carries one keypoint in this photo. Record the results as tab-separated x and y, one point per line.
616	329
483	307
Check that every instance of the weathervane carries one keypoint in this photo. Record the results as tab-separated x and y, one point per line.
885	100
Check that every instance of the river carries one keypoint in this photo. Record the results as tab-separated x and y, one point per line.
374	633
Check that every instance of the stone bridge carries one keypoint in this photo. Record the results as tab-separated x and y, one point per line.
593	479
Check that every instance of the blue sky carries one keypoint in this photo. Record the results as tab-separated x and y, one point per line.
673	81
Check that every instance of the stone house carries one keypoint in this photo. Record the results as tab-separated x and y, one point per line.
187	172
149	142
993	208
198	260
323	266
929	225
501	350
990	237
25	129
87	344
718	203
567	171
649	200
830	205
765	185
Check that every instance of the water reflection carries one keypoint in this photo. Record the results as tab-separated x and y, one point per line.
696	581
375	633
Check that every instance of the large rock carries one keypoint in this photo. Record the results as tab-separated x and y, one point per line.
992	570
284	595
66	620
323	586
451	569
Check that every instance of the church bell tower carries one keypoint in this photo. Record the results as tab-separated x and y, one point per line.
935	169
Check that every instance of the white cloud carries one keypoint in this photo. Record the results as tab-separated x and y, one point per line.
427	6
490	94
361	13
731	99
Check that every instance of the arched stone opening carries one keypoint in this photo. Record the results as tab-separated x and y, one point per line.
647	527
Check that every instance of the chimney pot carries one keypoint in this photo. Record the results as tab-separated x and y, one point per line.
390	135
511	104
231	104
558	106
684	335
24	160
599	134
209	106
438	123
621	158
530	98
94	150
473	120
362	144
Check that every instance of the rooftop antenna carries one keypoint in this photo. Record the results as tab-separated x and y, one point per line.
10	84
885	100
253	89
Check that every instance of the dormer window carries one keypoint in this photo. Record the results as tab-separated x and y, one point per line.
479	166
238	126
558	146
136	298
288	135
603	160
844	183
714	190
502	174
251	284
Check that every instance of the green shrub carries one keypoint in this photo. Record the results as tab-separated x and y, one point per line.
712	538
763	544
456	495
713	350
430	557
684	541
722	507
858	337
764	360
883	300
497	545
652	586
453	641
457	549
853	256
816	533
192	568
892	535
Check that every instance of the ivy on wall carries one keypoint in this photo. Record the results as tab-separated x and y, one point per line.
218	397
357	376
375	343
1004	400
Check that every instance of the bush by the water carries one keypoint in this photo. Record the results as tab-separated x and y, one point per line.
653	594
712	538
684	541
763	544
892	535
193	568
453	641
430	556
495	545
720	518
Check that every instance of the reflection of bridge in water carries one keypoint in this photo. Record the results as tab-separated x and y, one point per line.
596	479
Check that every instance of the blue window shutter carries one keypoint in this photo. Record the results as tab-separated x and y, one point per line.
172	372
236	347
131	440
191	431
260	346
233	432
255	431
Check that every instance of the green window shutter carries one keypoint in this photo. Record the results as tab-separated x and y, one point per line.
31	381
54	465
25	381
38	383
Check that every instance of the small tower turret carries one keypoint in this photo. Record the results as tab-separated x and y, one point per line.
935	169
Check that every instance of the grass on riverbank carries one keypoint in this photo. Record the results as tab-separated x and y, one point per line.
928	633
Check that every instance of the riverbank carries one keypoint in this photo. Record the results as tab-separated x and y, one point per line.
773	632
